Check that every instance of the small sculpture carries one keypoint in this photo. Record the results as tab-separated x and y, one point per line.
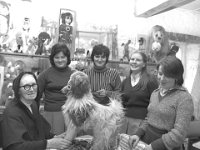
160	43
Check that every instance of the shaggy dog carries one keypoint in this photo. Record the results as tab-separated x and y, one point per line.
86	113
160	43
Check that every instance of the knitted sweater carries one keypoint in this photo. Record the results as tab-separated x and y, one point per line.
171	112
107	78
50	82
136	98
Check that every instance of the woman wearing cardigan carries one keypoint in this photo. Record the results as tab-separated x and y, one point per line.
136	92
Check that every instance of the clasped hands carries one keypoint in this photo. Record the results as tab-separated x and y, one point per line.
134	139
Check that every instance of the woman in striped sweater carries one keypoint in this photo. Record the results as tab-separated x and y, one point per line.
104	81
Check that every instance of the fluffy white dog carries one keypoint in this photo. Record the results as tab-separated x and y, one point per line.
86	113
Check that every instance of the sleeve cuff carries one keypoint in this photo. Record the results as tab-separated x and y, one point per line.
158	145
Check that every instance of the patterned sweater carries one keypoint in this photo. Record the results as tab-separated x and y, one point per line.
171	112
107	78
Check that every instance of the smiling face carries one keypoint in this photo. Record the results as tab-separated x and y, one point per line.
28	89
100	61
136	63
165	82
60	60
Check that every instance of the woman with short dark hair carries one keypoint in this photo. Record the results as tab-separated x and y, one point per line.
50	83
104	81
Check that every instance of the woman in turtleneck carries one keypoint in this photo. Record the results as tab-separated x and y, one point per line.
50	83
104	81
137	89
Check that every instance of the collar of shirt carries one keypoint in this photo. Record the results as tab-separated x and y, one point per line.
135	78
163	92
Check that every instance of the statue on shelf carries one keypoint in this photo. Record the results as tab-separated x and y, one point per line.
43	41
160	43
65	29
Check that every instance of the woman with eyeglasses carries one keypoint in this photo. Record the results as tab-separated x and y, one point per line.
50	83
23	127
104	81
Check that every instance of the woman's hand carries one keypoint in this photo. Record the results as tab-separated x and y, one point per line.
133	140
58	143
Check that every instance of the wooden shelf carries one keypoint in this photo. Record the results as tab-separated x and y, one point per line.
73	59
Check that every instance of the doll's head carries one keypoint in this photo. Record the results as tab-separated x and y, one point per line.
67	18
160	43
159	34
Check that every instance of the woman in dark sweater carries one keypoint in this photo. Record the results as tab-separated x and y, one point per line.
23	127
50	83
137	89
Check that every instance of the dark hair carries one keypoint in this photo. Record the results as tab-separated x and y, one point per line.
64	15
144	58
100	49
57	48
172	67
16	85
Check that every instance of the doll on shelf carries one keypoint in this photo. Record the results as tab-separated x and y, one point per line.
65	29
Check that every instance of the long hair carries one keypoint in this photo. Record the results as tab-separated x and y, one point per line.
57	48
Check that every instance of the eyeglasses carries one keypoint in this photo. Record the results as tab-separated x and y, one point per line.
27	87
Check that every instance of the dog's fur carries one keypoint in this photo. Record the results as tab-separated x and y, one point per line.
86	113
